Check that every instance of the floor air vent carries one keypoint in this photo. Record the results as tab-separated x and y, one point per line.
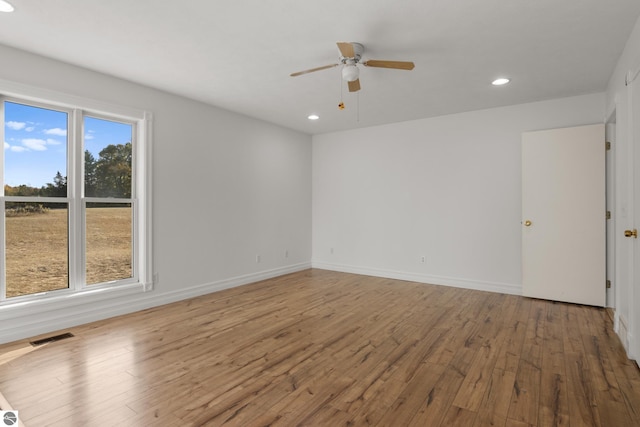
51	339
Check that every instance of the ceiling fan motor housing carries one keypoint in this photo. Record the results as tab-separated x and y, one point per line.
358	50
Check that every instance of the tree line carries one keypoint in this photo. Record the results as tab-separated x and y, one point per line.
107	176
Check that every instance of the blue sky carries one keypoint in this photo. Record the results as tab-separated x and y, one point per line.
35	142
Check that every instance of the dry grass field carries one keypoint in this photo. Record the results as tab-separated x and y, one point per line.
37	256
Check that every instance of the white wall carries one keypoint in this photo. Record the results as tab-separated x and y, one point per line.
627	322
446	188
225	188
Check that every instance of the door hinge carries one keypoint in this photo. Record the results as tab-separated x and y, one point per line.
608	284
608	214
607	145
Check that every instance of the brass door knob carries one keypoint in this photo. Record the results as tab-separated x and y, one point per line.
527	223
631	233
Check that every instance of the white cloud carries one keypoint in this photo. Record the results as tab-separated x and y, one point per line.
35	144
56	132
16	125
32	144
88	136
29	129
14	148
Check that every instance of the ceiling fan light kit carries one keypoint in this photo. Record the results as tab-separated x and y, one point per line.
351	54
350	73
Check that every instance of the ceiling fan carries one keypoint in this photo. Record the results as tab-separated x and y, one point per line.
351	53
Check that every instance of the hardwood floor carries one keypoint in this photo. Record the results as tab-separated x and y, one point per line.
320	348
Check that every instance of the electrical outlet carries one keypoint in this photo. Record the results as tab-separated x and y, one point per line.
156	278
422	259
257	258
331	251
286	253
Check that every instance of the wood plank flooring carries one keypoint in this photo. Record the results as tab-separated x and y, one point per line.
320	348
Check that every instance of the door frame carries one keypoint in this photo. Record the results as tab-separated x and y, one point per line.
610	189
633	88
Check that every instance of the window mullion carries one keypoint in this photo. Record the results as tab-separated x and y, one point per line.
76	205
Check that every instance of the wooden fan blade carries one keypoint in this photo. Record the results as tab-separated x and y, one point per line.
354	86
299	73
346	49
398	65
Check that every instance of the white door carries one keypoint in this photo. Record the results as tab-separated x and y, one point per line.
563	208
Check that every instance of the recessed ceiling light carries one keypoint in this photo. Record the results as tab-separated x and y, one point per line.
313	117
499	82
5	6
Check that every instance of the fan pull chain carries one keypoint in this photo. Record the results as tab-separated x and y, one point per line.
341	103
358	107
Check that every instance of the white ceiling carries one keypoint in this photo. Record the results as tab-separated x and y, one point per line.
238	54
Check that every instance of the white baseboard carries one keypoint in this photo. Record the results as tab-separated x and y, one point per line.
503	288
207	288
43	316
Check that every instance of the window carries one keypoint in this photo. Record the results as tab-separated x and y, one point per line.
108	208
73	216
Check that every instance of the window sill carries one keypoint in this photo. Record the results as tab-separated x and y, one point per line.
9	309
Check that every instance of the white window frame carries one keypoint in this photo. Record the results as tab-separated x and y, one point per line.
141	193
